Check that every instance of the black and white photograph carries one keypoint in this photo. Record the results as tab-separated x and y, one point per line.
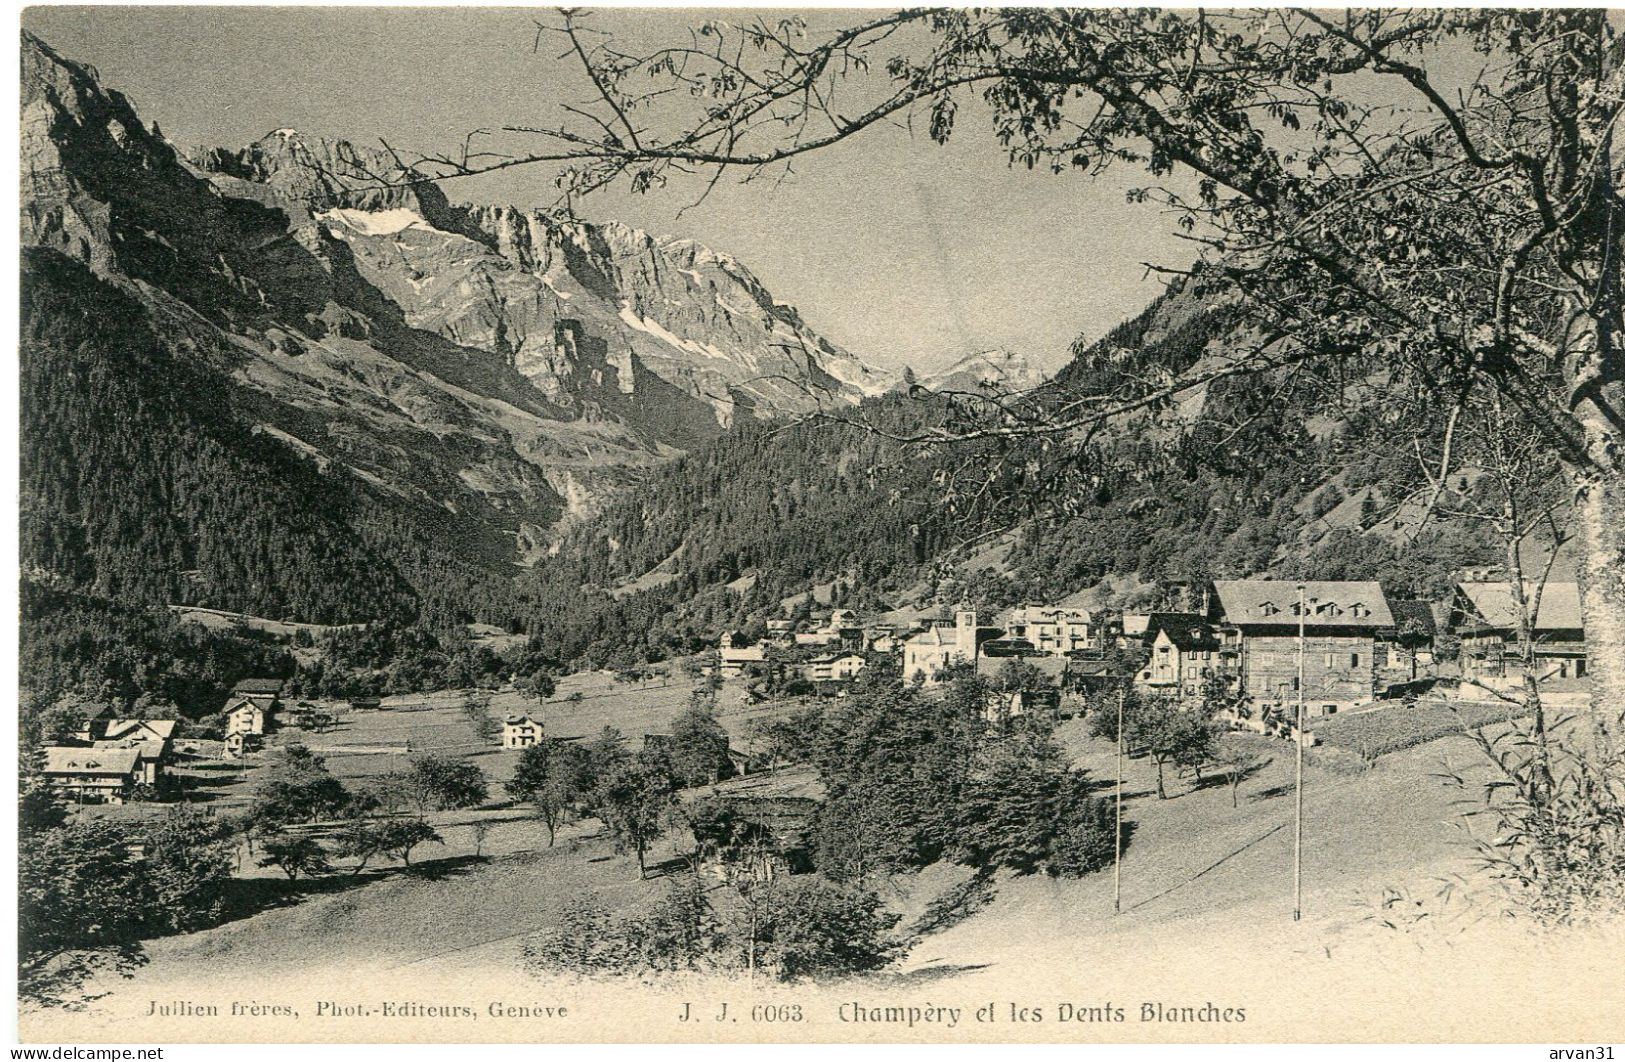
759	525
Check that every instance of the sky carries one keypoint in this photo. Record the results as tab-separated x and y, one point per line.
900	250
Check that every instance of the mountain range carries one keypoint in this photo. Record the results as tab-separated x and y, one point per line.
294	380
474	378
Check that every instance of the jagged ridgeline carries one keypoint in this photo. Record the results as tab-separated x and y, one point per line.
255	381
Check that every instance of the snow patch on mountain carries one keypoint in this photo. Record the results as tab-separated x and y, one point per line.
375	222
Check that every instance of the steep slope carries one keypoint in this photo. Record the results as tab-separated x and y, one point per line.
431	384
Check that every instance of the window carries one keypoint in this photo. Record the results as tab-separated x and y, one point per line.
1354	660
1268	609
1580	668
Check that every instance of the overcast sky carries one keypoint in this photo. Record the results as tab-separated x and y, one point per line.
900	250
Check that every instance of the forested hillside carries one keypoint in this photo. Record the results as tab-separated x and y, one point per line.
1248	483
144	483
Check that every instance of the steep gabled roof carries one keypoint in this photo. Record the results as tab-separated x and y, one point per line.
259	686
1253	602
129	728
1177	624
76	761
1494	605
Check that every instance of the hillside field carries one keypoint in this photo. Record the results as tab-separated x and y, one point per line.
1200	879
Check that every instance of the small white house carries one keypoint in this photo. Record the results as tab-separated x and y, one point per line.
244	715
520	732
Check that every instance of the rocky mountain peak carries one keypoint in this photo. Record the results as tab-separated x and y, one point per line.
502	362
1003	370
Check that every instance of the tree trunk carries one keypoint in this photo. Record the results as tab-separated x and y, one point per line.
1162	794
1600	508
1595	378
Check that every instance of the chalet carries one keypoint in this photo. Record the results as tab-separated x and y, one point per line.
267	690
520	732
1186	651
1040	692
252	705
238	745
834	667
1052	629
106	776
927	654
365	704
735	651
1339	622
245	716
139	730
772	815
1485	616
841	628
151	738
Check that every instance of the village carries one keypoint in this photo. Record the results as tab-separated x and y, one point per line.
435	809
1335	647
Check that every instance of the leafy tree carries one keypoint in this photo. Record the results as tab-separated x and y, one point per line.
1084	840
444	782
1238	762
78	888
295	856
633	800
699	748
188	855
481	830
1011	806
360	840
812	928
1157	725
789	738
680	930
893	761
554	776
535	686
584	942
606	752
308	799
398	837
39	806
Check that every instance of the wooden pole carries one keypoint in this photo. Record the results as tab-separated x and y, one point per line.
1117	862
1297	818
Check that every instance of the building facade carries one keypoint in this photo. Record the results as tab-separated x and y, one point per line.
1185	652
927	654
1339	623
1485	615
520	732
1053	630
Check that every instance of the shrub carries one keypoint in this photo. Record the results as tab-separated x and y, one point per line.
813	928
1085	841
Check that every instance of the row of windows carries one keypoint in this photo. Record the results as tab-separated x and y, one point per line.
1357	610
